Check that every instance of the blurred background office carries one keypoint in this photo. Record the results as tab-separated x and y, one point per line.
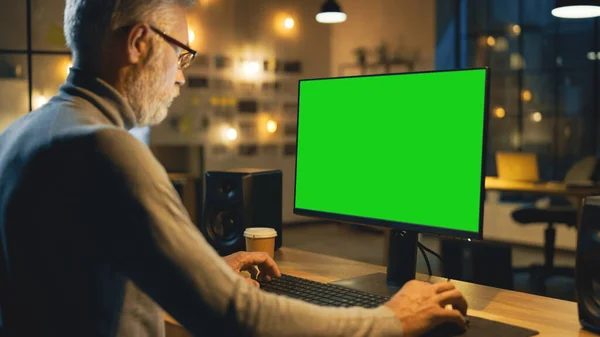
238	108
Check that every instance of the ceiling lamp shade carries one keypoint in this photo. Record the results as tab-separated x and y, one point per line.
576	9
331	12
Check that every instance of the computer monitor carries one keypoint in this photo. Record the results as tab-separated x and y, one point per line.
403	151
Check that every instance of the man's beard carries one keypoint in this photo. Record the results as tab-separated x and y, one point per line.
149	96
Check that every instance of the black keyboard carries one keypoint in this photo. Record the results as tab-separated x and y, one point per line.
321	293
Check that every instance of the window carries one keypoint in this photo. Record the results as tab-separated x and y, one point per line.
33	56
544	76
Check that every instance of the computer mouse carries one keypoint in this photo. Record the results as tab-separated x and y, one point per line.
447	329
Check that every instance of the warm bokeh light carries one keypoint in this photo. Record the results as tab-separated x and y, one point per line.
250	68
271	126
196	31
39	100
231	134
289	23
536	116
526	95
68	70
499	112
491	41
285	25
516	30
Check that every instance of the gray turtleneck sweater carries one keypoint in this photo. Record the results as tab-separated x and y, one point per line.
95	240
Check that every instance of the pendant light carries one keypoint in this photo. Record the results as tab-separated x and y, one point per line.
331	12
576	9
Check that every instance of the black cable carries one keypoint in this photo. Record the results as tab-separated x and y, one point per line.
431	251
426	259
423	248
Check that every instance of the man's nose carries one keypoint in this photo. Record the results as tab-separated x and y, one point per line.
180	78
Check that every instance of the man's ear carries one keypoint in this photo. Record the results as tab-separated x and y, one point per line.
138	43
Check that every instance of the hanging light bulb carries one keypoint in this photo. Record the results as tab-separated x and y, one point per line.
576	9
331	12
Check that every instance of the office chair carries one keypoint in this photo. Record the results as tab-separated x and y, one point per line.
584	170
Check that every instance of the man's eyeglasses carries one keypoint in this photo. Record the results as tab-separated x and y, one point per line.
186	57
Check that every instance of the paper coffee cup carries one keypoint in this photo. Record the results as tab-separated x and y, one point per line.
260	239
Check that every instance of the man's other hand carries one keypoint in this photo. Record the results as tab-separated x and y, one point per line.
420	306
248	261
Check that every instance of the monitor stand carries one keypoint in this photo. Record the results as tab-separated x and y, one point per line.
401	267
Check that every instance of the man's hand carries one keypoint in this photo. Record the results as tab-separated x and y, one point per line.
246	261
420	306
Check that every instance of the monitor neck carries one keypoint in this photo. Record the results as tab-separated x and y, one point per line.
402	257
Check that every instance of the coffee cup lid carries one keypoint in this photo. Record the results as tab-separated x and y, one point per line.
260	233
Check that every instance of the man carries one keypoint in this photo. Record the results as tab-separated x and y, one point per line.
95	239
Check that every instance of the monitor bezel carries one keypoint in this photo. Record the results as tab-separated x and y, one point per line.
397	225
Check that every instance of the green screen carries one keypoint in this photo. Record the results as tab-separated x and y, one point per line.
405	148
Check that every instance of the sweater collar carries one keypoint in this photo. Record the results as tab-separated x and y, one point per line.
102	95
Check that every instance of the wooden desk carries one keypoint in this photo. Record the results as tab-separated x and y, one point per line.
549	316
576	193
551	188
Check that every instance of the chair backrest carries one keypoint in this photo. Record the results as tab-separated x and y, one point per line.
583	170
586	170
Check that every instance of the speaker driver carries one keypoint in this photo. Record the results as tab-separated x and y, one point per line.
226	189
224	226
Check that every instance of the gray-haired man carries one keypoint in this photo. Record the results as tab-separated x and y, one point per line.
95	239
